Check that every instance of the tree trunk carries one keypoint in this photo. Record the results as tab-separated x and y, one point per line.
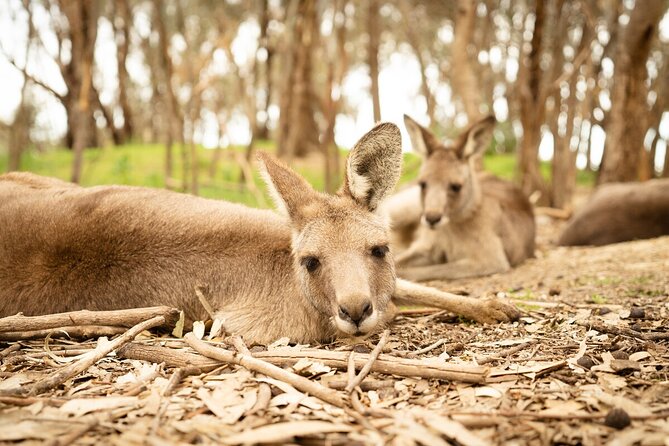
337	67
82	21
374	32
531	111
262	129
170	101
624	136
298	129
19	130
409	22
122	23
465	82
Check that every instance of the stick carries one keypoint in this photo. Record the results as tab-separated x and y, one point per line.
178	375
81	332
9	350
170	356
429	348
623	331
118	318
260	366
340	384
205	303
370	362
505	353
389	365
71	370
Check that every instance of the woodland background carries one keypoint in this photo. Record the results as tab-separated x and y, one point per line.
179	93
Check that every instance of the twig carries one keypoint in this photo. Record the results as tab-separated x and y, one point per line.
554	416
623	331
258	365
238	342
179	374
340	384
117	318
27	401
81	332
389	365
370	362
205	303
507	352
71	370
9	350
170	356
429	348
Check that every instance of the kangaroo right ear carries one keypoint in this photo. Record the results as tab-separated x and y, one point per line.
423	141
373	166
290	192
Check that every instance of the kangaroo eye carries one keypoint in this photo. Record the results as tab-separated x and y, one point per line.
311	263
455	187
379	251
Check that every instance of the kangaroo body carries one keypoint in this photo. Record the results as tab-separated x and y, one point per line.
459	222
619	212
318	269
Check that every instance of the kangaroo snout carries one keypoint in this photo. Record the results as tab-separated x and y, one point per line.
432	218
354	314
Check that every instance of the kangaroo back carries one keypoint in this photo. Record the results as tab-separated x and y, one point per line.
620	212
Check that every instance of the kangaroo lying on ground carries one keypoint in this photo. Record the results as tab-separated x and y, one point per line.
320	269
460	223
619	212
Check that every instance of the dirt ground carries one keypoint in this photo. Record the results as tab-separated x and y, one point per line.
588	363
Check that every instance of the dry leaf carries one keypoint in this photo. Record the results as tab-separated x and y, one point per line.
82	406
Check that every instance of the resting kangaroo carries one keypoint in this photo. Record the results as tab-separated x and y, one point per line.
460	223
318	269
620	212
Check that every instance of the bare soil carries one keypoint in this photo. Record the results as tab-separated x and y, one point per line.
588	363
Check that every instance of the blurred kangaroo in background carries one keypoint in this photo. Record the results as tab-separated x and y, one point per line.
459	222
619	212
319	268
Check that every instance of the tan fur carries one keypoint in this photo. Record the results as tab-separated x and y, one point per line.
619	212
65	248
485	227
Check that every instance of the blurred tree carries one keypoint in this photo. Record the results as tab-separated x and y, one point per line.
465	80
298	131
374	37
625	136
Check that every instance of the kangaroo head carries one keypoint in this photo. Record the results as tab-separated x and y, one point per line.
448	181
340	243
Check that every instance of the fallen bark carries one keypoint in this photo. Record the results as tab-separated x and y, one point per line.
82	332
116	318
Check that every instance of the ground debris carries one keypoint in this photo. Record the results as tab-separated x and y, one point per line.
566	373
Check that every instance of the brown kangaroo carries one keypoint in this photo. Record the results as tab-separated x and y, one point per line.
460	223
319	268
619	212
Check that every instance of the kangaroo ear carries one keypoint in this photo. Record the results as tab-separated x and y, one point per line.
423	141
476	139
373	166
290	192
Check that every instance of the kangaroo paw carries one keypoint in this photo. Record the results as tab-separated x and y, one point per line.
495	310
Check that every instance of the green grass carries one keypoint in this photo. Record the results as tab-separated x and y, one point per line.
143	165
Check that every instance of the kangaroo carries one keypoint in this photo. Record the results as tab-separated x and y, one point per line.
619	212
461	223
319	268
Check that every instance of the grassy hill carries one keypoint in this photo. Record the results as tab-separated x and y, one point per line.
143	165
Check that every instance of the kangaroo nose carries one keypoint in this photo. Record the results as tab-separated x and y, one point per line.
355	312
432	219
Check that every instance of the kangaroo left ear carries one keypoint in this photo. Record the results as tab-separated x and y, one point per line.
476	139
373	166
